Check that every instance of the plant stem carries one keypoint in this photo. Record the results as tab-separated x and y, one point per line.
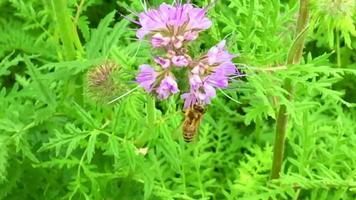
66	29
281	127
294	57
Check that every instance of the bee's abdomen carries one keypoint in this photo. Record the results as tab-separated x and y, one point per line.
188	136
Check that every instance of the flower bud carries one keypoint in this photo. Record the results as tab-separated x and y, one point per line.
101	82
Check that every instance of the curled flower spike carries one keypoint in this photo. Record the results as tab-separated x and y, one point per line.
171	28
172	25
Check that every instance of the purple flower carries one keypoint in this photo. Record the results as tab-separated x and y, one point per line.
201	92
220	77
197	18
217	80
195	81
178	41
202	95
159	41
191	35
146	77
190	99
172	24
227	69
197	69
218	54
167	87
180	61
165	63
212	71
206	93
170	27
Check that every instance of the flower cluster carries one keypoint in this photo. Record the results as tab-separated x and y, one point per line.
170	28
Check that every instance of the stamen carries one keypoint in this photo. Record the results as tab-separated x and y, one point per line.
210	5
144	5
228	96
122	96
129	19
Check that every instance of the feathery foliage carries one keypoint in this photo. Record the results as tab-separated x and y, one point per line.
58	142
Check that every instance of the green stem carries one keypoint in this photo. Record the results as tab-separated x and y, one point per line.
66	29
281	127
338	54
72	47
294	57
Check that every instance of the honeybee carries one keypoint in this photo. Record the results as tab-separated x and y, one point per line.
193	117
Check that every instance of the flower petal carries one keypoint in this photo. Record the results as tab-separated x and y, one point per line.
146	77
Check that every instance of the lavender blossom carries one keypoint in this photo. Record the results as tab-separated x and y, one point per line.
158	40
180	61
202	95
206	93
190	99
167	87
218	54
146	77
172	24
227	69
217	80
163	62
195	81
221	75
170	28
212	71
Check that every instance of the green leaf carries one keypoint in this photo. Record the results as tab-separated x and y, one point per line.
91	146
4	156
43	89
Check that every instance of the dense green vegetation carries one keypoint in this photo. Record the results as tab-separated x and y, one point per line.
60	139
